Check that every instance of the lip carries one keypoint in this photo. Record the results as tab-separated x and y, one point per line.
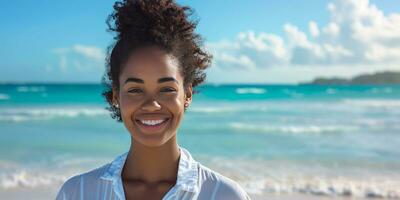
152	128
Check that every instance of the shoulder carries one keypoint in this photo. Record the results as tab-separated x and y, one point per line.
85	181
90	177
218	186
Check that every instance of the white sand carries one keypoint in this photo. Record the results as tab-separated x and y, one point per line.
300	197
49	193
38	193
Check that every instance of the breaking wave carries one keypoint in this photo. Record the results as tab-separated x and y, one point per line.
24	114
251	91
293	129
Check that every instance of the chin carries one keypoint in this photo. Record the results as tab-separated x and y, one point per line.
155	140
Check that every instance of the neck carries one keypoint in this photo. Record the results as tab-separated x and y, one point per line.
152	164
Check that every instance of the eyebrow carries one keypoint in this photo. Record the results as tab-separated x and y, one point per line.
161	80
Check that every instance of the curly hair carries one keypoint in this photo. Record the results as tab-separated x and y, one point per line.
163	23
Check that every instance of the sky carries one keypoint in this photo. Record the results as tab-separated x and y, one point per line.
253	41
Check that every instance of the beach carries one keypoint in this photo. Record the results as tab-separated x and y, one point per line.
50	193
277	141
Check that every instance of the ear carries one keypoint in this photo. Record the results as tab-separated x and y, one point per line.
188	94
115	99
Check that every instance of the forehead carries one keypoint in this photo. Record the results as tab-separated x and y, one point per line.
150	63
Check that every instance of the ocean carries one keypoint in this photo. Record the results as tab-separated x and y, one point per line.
272	139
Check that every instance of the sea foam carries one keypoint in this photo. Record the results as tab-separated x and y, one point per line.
24	114
291	177
375	103
23	178
250	91
293	129
31	88
340	186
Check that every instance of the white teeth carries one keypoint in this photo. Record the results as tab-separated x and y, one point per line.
152	122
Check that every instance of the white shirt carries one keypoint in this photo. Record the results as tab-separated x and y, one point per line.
194	181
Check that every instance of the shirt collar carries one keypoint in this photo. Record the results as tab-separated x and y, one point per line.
187	178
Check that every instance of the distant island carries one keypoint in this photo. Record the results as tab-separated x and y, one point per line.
388	77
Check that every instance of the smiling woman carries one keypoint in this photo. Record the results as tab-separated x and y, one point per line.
153	67
151	90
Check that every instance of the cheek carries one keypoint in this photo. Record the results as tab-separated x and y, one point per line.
178	111
128	105
174	103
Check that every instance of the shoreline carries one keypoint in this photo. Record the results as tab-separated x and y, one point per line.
50	192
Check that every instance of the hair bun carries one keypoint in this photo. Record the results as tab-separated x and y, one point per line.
155	17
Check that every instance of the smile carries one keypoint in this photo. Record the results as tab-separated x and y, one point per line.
152	125
152	122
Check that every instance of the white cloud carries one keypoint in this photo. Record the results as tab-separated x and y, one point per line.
332	29
249	50
240	62
314	30
80	57
89	51
358	33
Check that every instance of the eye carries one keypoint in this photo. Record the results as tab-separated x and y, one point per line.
135	90
168	89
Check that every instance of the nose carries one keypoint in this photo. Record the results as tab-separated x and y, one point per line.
151	105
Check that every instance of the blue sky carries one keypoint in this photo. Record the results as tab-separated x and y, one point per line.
254	41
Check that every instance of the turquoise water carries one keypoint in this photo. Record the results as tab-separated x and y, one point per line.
331	140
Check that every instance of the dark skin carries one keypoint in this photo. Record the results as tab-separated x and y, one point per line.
151	88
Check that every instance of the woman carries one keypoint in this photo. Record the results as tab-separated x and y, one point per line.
152	69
